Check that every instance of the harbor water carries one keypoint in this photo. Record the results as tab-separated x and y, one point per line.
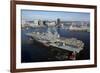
31	52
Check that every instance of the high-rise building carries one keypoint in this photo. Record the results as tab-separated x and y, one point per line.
58	21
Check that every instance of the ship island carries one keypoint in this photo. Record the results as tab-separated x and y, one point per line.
61	48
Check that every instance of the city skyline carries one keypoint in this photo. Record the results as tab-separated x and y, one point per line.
29	15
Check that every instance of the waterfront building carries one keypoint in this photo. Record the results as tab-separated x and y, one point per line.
79	26
50	23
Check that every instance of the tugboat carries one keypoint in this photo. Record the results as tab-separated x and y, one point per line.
65	48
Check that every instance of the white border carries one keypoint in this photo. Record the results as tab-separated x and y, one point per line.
20	65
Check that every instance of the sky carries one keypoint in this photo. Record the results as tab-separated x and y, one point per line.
29	15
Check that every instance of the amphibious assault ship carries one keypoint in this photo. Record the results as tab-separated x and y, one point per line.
65	48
